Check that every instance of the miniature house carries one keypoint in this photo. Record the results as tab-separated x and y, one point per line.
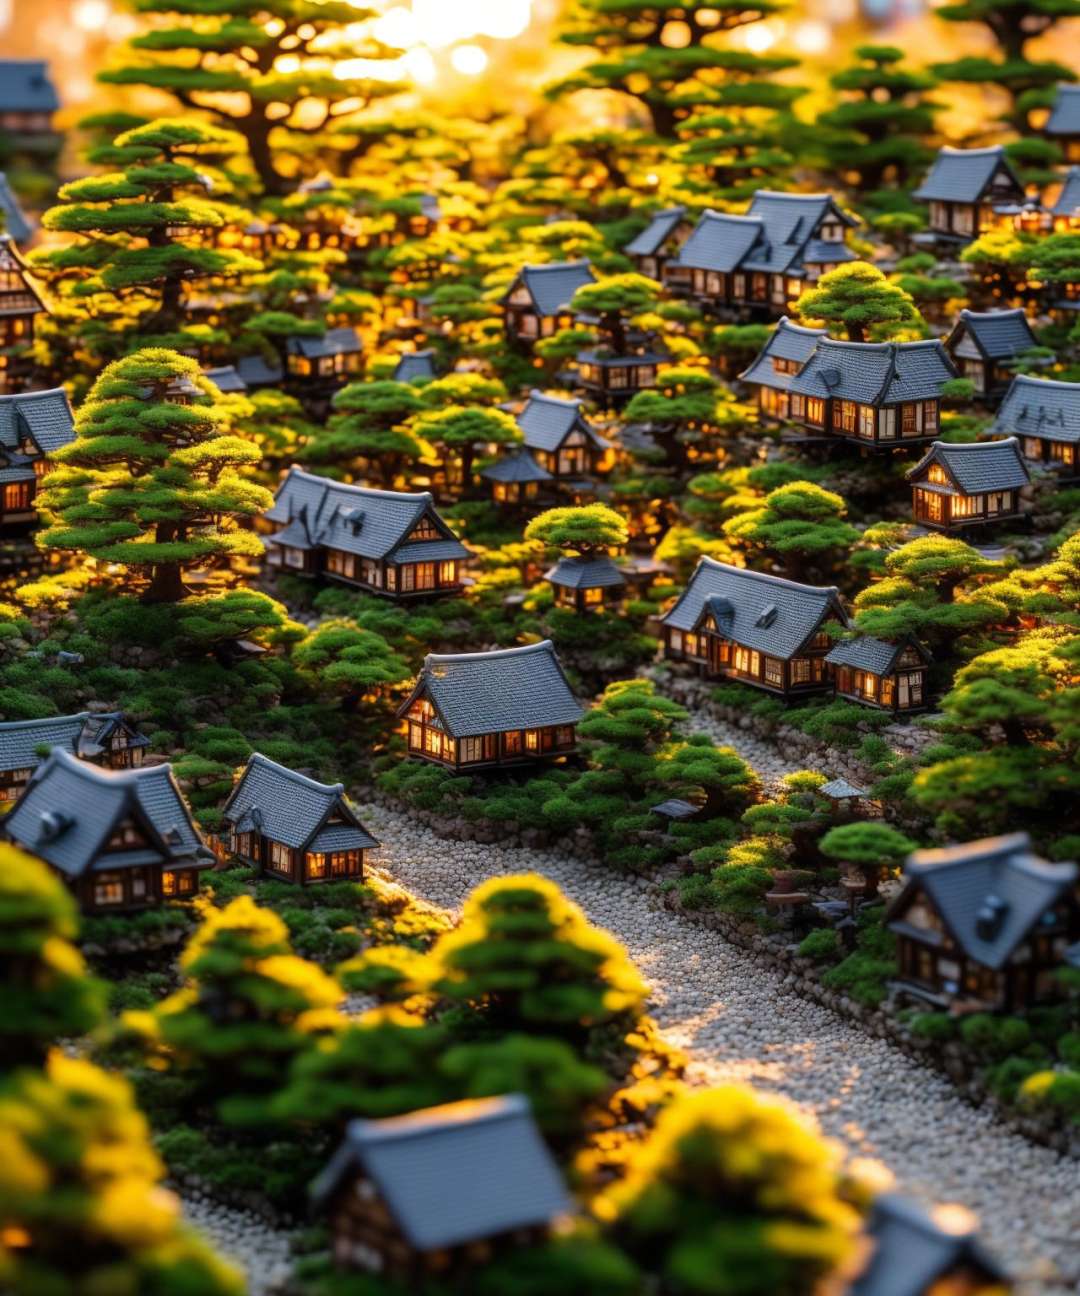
762	261
659	242
776	364
292	828
324	361
19	305
28	98
617	377
386	542
1045	417
257	372
586	584
103	737
1065	209
873	394
879	674
973	484
13	220
963	189
32	426
985	925
537	303
516	479
1063	125
440	1189
414	366
985	346
227	379
757	629
916	1252
121	839
561	439
485	709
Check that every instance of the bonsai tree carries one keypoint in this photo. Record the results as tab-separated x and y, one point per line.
883	122
139	240
528	959
801	523
1055	259
369	422
350	661
248	1008
585	529
717	777
856	301
638	56
226	64
153	481
616	301
50	995
81	1195
873	848
682	408
464	432
1010	691
731	1192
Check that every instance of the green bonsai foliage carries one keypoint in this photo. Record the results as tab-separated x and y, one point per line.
351	661
49	993
80	1193
461	432
874	848
616	301
586	529
528	959
801	524
856	301
370	424
732	1195
139	246
153	481
223	61
716	778
683	409
635	59
883	122
248	1008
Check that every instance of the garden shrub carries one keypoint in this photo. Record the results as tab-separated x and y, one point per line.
995	1038
938	1027
1059	1089
822	946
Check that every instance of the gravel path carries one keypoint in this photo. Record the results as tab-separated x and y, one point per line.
246	1240
738	1023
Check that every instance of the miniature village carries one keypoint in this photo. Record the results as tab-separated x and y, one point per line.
539	650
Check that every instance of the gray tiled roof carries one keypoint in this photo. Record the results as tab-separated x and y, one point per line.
989	893
719	242
865	653
758	611
256	372
455	1174
552	287
20	739
1040	407
789	221
961	175
70	808
417	364
585	573
547	420
977	466
291	808
45	416
226	378
20	474
911	1252
875	373
651	239
491	692
1064	116
519	467
1067	202
337	341
788	342
25	86
999	335
15	221
839	789
827	252
357	519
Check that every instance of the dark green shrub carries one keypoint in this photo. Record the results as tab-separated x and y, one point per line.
995	1038
933	1026
822	946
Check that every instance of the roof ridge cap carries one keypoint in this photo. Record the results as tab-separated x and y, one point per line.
555	265
520	650
75	715
306	779
427	1120
986	148
331	484
767	576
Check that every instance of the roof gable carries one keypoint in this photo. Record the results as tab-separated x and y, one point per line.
1040	407
552	287
546	422
719	241
1064	116
1067	202
875	373
44	416
989	893
15	221
659	229
492	692
414	365
288	807
758	611
585	573
976	466
964	175
789	341
998	335
790	222
455	1174
874	655
25	86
